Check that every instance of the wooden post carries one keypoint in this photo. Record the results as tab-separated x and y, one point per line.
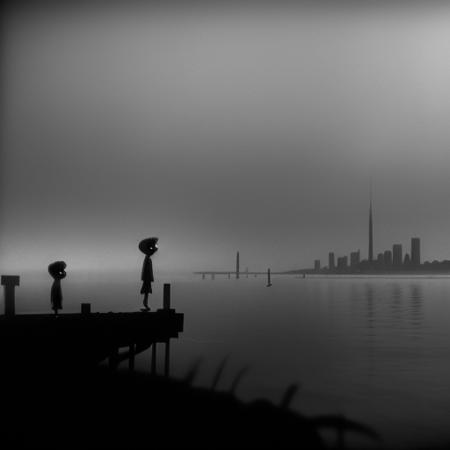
154	358
166	296
10	282
131	357
167	359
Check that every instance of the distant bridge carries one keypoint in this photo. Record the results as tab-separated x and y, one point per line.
236	272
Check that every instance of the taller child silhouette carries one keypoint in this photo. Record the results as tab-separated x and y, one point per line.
56	270
148	247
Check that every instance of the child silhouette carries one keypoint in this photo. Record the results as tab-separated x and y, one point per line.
56	270
148	247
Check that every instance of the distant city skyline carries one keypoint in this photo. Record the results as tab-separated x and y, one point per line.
389	260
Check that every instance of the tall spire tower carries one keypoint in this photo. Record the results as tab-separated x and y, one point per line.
370	227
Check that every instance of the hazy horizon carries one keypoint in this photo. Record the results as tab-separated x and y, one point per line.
223	129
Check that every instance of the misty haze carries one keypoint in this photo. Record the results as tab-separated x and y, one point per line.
312	139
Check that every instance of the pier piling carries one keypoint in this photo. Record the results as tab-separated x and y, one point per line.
167	360
10	282
166	296
85	309
153	367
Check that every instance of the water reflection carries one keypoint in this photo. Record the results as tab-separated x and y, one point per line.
369	296
396	303
397	306
416	309
391	313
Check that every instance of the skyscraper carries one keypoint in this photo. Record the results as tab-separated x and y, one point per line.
317	265
342	262
331	265
397	258
415	251
354	259
237	265
380	259
370	229
388	258
407	260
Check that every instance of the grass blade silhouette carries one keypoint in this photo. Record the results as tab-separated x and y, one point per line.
289	394
218	373
237	379
193	371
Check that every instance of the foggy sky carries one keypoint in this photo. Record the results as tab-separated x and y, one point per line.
221	130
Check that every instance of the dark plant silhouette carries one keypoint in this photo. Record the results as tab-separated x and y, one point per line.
121	409
148	247
56	270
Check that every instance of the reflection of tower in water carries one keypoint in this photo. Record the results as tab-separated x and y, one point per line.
369	296
396	302
415	309
371	335
406	307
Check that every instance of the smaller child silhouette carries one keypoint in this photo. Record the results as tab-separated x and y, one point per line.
56	270
148	247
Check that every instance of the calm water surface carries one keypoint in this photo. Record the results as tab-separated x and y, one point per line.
375	349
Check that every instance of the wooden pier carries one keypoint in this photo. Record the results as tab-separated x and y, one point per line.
78	341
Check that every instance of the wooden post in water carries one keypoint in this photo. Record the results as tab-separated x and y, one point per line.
167	360
269	283
10	282
166	296
166	306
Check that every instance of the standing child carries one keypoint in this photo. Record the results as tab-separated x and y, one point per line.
56	270
148	247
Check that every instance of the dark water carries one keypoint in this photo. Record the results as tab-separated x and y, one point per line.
374	349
